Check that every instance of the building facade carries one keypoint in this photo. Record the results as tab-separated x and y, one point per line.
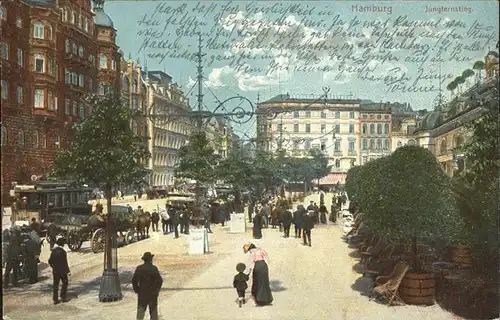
169	125
402	132
445	130
298	125
375	133
52	56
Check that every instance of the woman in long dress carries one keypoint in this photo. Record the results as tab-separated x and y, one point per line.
257	226
261	289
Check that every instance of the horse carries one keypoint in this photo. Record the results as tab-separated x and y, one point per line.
142	224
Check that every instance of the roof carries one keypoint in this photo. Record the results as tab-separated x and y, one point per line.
332	179
430	120
102	19
41	3
287	98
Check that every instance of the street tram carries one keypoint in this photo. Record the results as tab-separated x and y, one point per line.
40	199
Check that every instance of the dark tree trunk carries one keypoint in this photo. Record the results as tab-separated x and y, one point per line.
414	252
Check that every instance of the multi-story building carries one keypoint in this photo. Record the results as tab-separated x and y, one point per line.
444	130
375	131
402	132
53	54
298	125
169	125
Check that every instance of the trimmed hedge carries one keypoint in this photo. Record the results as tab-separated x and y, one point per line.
406	195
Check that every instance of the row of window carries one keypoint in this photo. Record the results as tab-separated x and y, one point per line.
5	92
72	108
165	160
375	144
323	114
366	144
39	140
386	128
42	31
80	21
307	128
40	102
378	116
6	54
76	79
3	16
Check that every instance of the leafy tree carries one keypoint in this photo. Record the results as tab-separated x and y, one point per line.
407	196
104	151
197	160
319	164
479	67
451	87
237	170
477	185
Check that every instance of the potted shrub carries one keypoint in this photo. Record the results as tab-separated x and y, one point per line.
408	196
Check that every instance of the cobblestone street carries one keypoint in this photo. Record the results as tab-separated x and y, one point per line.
307	283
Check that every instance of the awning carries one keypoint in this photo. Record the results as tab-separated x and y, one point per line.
332	179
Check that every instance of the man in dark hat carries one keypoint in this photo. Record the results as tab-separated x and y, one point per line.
35	226
60	270
287	221
33	249
307	226
147	283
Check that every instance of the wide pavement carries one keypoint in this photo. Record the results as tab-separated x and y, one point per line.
307	282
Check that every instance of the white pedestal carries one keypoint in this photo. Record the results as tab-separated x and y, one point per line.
237	223
198	241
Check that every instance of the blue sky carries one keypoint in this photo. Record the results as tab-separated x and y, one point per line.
289	76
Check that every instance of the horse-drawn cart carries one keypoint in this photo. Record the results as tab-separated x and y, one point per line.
128	223
73	227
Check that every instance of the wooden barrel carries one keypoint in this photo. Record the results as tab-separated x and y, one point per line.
461	255
418	288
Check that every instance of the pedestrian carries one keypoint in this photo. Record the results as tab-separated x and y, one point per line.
307	225
60	271
135	195
52	234
207	216
323	212
333	213
164	220
13	261
287	221
321	198
261	288
35	226
147	283
280	217
251	208
265	214
175	222
274	216
339	202
240	282
186	219
316	214
33	250
297	221
257	226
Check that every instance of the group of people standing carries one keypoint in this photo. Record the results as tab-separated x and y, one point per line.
280	214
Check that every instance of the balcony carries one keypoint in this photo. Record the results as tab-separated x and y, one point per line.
352	153
45	114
